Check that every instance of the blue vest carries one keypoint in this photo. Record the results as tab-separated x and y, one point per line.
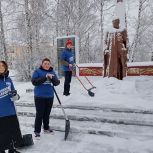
7	107
44	90
67	56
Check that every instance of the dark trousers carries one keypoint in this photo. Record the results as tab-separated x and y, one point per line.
68	76
9	151
43	110
9	133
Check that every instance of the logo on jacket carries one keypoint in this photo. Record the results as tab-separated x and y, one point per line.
47	82
4	92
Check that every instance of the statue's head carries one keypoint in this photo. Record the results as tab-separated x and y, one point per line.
116	23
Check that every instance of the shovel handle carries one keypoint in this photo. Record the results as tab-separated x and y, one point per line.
79	80
86	77
66	118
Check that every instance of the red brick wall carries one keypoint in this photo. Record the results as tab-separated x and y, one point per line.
90	71
132	71
140	70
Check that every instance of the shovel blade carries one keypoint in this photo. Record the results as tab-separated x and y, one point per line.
67	128
91	93
92	88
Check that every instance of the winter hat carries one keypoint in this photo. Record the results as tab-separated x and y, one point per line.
68	42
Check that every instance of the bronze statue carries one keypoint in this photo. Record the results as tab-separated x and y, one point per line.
115	51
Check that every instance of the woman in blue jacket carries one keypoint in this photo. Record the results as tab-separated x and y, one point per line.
42	79
67	61
10	134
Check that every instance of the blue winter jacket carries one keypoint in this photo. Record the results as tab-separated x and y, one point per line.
67	56
7	107
43	86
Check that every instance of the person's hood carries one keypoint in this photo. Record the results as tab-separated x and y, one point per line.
4	75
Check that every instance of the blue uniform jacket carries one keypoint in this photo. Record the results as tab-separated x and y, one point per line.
43	87
7	107
67	56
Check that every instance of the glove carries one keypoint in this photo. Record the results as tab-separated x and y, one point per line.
15	98
71	67
49	76
12	93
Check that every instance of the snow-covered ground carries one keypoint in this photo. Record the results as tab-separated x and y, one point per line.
118	119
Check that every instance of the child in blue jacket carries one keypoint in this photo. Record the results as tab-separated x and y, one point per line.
9	126
42	79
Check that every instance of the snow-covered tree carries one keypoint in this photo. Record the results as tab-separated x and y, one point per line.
78	17
141	47
3	51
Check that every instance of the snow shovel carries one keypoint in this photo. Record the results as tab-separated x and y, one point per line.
27	140
67	122
90	93
87	79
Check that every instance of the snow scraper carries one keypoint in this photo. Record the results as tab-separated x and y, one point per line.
90	93
67	122
87	78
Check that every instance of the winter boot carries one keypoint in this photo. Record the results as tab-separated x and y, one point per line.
37	135
11	151
49	131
